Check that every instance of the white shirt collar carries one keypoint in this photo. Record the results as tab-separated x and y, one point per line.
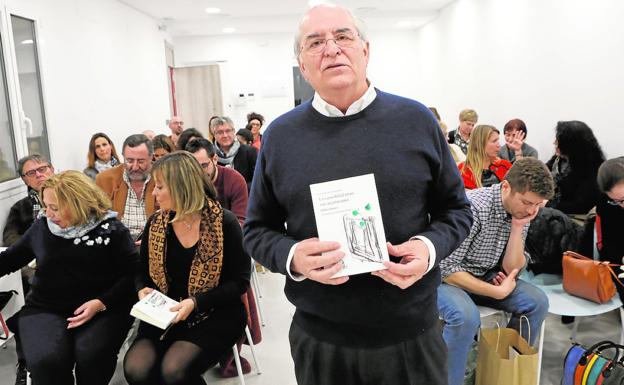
327	109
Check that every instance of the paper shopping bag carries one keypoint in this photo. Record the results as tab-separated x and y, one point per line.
505	358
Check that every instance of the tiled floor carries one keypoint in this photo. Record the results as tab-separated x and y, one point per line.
277	367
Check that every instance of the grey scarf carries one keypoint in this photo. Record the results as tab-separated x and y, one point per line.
227	159
79	230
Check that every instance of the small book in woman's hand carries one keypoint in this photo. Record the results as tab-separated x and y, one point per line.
154	309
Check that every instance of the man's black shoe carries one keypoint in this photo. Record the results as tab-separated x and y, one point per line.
567	319
21	375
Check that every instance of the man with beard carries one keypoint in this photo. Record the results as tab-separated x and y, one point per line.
129	185
230	184
483	269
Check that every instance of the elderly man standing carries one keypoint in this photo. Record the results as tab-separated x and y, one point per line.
379	328
129	185
34	170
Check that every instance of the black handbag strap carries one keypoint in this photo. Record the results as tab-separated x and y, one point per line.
598	348
5	297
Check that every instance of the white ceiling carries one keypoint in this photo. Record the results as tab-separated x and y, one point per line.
188	17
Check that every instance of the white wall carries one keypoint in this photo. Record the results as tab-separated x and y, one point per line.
535	60
541	61
259	64
262	64
103	67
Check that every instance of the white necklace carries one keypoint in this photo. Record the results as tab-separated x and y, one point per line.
189	225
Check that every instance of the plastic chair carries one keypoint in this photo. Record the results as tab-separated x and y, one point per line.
562	303
239	369
255	283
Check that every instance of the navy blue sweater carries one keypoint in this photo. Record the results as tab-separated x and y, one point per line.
420	193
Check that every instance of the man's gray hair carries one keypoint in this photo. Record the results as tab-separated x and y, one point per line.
221	121
37	158
136	140
360	26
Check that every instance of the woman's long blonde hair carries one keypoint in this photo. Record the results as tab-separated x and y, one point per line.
187	183
476	158
78	197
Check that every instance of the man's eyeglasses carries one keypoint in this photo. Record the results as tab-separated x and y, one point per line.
205	165
41	170
616	202
316	45
223	132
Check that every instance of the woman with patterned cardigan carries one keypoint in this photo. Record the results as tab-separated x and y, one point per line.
192	251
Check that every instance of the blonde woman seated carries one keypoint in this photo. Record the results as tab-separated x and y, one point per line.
483	167
76	315
192	251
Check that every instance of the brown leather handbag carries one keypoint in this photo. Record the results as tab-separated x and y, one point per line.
587	278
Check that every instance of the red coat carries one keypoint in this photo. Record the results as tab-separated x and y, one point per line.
500	167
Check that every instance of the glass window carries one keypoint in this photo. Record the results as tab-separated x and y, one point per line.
8	161
25	42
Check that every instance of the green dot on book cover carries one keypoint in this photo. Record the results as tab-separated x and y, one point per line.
355	212
362	224
368	206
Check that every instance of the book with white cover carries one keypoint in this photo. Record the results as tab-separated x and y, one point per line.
347	211
154	309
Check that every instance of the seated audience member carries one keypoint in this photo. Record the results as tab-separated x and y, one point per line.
456	152
129	185
254	124
574	168
230	152
515	132
483	269
230	184
244	136
176	126
34	170
162	146
6	172
102	155
187	136
211	316
461	136
211	126
610	213
149	133
76	316
483	167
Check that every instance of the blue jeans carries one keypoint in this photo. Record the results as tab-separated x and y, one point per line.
458	309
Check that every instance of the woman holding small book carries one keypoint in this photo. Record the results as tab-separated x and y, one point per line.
76	314
191	251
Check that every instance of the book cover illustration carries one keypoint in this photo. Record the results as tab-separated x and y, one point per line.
347	211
